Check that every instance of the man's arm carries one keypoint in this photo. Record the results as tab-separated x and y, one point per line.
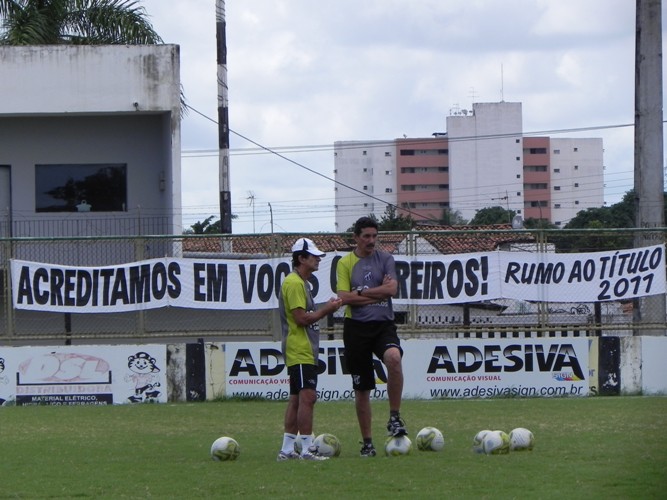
306	318
387	289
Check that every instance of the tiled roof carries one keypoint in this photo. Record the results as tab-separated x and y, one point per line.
444	239
262	243
468	239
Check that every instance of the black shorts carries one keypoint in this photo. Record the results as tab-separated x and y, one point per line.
362	339
302	377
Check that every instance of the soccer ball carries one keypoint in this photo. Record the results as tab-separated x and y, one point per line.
496	443
477	441
397	446
225	448
327	445
521	439
430	439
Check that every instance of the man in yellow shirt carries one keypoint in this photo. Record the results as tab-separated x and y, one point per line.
300	345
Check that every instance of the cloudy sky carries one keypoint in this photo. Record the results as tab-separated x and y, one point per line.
304	73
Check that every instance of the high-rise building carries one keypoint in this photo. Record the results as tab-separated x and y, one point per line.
483	160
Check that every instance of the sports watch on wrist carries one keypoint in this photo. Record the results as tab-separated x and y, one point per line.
359	290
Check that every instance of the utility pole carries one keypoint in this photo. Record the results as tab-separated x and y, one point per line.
271	211
251	197
649	179
223	119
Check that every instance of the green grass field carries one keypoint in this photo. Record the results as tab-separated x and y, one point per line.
613	447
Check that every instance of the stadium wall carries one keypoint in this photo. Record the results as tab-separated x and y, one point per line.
433	369
616	366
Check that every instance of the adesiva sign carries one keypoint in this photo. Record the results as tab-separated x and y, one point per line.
432	369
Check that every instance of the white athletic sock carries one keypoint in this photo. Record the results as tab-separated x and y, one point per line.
288	442
306	442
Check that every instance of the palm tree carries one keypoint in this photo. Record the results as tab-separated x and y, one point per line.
77	22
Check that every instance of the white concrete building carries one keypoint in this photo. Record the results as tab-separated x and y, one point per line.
365	173
482	161
485	158
576	177
90	140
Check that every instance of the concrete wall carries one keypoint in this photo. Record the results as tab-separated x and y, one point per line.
617	366
55	79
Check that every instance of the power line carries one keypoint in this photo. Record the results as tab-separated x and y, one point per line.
349	145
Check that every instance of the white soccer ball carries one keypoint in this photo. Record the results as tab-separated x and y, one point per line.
327	445
225	448
521	439
496	443
477	441
397	446
430	439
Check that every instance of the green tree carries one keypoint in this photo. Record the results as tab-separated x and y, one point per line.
391	221
76	22
617	216
206	226
492	215
452	218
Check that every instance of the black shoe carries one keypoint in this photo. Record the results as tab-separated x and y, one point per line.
368	450
396	427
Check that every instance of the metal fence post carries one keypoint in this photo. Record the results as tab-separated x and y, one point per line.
140	252
9	303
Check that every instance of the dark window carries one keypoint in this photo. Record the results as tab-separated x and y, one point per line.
535	151
81	187
424	152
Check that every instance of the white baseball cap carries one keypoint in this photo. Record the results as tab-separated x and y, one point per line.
307	245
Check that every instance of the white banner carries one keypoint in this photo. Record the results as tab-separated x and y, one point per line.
432	369
83	375
254	283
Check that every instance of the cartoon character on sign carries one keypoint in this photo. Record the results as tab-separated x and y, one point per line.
144	376
4	380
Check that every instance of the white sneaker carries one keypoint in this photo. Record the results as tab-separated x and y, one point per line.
311	456
292	455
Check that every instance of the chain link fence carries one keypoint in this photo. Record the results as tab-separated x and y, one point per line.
500	318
